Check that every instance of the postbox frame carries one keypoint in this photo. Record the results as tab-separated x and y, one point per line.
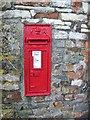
31	39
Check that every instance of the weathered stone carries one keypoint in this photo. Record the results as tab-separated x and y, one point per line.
85	7
60	34
81	97
68	67
64	83
80	44
10	78
24	113
76	82
63	10
81	107
4	5
37	9
72	57
39	99
30	20
8	113
10	97
59	43
33	13
70	43
73	17
73	75
33	2
61	27
52	21
69	97
68	90
67	108
84	26
40	112
68	114
59	3
77	36
85	30
16	14
57	104
56	22
10	86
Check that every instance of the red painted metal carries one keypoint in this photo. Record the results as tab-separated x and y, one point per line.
37	59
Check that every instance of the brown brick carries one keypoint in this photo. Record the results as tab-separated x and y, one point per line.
73	75
86	59
57	104
76	4
10	97
77	114
33	2
68	97
53	15
41	15
45	15
86	53
87	44
68	90
39	98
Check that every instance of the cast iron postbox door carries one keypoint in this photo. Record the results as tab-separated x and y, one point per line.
37	59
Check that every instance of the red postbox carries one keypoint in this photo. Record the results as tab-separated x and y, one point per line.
37	59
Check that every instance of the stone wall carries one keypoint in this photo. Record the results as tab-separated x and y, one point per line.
70	55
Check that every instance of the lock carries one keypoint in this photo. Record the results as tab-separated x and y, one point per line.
37	59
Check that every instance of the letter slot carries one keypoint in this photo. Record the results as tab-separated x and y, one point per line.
37	59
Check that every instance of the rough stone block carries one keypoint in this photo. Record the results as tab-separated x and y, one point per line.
45	15
7	113
10	86
59	3
73	17
77	36
16	14
85	7
60	34
11	97
37	9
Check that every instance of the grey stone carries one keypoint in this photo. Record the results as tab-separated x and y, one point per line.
61	3
81	107
27	20
85	6
37	9
10	78
7	113
72	58
59	43
84	26
73	17
77	36
57	34
63	10
59	27
85	30
4	5
16	14
76	82
33	13
52	21
10	86
24	113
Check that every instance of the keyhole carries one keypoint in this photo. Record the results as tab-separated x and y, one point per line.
33	74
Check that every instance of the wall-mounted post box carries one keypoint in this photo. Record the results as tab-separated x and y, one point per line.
37	59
